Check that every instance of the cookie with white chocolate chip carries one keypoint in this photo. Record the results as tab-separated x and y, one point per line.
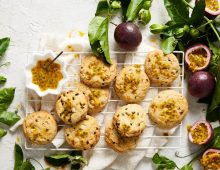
130	120
84	135
132	84
161	69
72	106
94	72
97	97
40	127
168	109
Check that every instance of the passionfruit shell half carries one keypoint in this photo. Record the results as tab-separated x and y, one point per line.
211	159
197	57
212	8
200	133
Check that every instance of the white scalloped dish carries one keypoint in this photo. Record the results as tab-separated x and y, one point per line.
29	76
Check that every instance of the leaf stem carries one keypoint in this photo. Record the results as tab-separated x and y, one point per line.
213	28
208	20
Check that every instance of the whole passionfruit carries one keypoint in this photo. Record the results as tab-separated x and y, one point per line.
201	84
128	35
198	57
211	159
200	133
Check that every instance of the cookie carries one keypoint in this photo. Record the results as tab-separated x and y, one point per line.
118	142
95	73
84	135
97	97
72	106
40	127
130	120
132	84
168	109
161	69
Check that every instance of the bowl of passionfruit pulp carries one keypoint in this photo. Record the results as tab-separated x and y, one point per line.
45	76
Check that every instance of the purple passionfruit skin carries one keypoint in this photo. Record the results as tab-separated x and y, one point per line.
197	47
211	150
128	35
201	84
208	127
211	13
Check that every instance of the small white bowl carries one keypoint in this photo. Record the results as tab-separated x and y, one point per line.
28	73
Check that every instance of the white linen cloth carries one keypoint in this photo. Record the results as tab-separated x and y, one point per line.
107	158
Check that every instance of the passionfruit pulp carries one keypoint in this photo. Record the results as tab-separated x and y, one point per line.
201	132
198	57
211	159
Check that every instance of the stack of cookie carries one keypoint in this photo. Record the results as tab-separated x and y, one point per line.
127	124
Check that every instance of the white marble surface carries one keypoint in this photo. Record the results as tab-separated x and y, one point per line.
25	20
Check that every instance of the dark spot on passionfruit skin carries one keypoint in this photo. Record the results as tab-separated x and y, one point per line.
198	47
209	131
201	84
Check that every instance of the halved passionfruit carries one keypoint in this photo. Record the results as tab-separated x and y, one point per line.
212	7
201	132
211	159
198	57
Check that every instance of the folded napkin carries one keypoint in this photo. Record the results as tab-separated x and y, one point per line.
99	159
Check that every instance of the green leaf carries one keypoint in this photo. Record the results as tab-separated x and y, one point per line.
125	4
26	166
102	7
163	163
9	118
6	97
213	111
57	160
4	43
63	159
178	11
198	13
133	9
46	169
98	37
168	45
18	154
2	133
187	167
216	139
2	79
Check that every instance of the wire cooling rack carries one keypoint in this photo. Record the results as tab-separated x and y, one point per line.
151	138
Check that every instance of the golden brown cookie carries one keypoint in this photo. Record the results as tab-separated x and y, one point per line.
84	135
168	109
72	106
116	141
132	84
40	127
95	73
161	69
130	120
97	97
